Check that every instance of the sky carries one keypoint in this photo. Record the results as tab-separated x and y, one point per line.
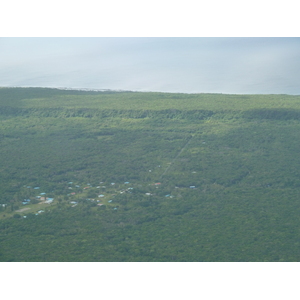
233	65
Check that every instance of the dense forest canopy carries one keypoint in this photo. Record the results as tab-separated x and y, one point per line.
130	176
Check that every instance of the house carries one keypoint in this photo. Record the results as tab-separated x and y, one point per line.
110	201
36	188
101	196
192	187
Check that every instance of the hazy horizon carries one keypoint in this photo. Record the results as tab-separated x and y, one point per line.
175	65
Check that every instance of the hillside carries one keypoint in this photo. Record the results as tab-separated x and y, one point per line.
129	176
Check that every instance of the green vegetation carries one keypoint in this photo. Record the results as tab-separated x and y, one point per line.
227	168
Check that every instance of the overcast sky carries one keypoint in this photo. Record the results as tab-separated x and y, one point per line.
188	65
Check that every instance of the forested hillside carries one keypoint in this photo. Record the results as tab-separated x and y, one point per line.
129	176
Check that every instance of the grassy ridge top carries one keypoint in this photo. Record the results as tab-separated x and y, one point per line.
55	98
